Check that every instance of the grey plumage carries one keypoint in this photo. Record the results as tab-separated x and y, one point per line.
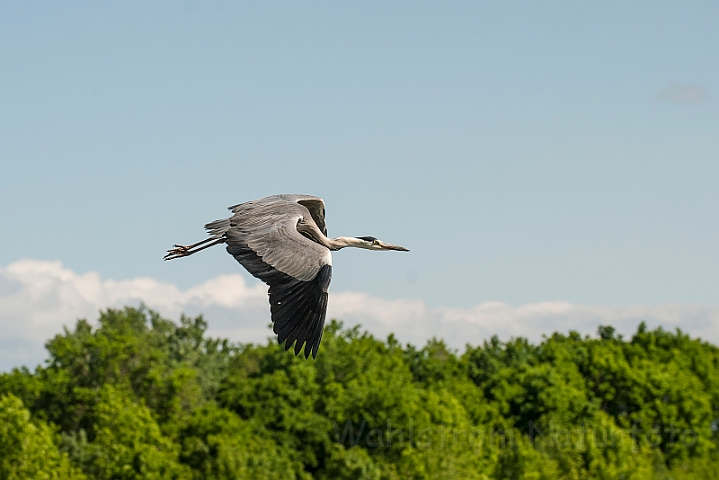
282	240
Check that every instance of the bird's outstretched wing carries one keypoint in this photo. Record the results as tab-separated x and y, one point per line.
315	205
270	230
298	308
262	235
316	208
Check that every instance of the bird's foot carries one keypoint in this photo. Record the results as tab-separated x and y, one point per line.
177	252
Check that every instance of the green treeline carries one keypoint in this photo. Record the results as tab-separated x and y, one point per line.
143	397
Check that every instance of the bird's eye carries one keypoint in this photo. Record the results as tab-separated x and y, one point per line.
376	242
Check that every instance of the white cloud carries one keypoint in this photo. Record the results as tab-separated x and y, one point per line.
38	298
683	93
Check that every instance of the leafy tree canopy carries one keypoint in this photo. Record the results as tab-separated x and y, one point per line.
139	396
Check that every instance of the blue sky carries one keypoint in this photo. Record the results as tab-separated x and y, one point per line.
523	152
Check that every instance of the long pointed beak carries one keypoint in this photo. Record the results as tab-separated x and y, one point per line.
389	246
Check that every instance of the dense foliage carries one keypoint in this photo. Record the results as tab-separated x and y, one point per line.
142	397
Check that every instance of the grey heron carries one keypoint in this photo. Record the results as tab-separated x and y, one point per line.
282	240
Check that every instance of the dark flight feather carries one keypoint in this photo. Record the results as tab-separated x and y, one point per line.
298	308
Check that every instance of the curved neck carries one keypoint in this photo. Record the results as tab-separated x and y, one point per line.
311	230
342	242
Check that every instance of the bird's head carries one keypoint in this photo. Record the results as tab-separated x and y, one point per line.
372	243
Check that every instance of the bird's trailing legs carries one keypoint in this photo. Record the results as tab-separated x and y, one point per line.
186	250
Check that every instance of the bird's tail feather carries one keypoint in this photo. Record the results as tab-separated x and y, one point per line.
218	228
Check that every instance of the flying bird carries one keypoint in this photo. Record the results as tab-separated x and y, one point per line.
282	240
